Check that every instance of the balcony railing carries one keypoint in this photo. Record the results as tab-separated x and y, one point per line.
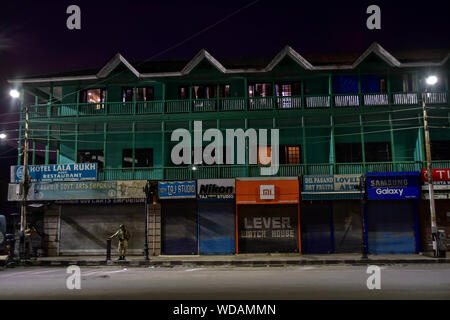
235	171
237	104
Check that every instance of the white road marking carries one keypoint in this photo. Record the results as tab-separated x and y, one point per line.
195	269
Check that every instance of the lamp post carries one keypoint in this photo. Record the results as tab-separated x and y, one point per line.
430	81
15	94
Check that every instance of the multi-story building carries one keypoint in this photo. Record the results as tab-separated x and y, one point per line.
338	116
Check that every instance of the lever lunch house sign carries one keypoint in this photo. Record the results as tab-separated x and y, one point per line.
56	172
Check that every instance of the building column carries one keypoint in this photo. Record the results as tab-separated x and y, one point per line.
154	229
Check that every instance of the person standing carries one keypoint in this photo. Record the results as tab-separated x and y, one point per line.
124	235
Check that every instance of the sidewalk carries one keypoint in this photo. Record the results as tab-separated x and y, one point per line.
241	260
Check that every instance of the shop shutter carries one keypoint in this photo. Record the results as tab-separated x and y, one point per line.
391	226
217	221
316	225
265	214
85	228
179	227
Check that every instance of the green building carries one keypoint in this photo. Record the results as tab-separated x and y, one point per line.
336	114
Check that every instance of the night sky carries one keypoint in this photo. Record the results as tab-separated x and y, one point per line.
34	38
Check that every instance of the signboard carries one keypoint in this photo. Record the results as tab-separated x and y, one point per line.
176	189
339	186
258	191
216	189
56	172
88	190
441	179
392	185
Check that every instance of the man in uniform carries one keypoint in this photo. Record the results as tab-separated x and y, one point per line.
123	235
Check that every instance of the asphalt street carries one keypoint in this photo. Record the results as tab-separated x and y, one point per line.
284	283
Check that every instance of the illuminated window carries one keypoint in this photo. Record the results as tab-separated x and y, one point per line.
290	154
139	94
260	90
92	96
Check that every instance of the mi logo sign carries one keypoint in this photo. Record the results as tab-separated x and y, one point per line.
267	192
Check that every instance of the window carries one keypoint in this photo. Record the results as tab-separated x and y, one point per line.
127	94
287	90
139	94
91	156
260	90
378	151
348	152
183	92
93	96
345	84
290	154
409	82
142	158
224	91
373	84
440	150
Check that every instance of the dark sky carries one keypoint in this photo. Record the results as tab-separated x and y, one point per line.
34	38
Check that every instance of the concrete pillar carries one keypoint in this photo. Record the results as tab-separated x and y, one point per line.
51	230
154	229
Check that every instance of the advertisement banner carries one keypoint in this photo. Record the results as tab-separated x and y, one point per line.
441	179
56	172
221	189
339	186
87	190
177	189
282	190
392	185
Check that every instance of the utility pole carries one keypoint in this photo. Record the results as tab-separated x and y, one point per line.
362	185
430	179
25	183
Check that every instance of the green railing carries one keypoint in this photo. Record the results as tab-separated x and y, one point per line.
237	104
235	171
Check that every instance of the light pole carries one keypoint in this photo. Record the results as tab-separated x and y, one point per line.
430	80
15	94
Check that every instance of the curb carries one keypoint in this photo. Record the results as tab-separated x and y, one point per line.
233	263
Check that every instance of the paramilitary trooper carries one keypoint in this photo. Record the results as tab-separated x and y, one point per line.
124	236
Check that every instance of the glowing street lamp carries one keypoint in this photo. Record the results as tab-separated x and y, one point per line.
14	93
3	136
431	80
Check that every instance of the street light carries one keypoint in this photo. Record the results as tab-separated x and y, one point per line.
14	93
430	80
3	136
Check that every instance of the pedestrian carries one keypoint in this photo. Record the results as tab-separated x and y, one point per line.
124	235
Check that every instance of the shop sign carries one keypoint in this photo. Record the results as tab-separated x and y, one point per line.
176	189
276	191
388	186
331	183
441	179
88	190
216	188
267	192
56	172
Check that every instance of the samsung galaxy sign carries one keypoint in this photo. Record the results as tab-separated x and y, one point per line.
390	186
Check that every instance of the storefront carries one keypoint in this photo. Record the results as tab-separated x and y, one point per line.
392	212
268	215
80	215
441	188
179	218
330	214
216	216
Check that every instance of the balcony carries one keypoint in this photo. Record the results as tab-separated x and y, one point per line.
234	171
368	100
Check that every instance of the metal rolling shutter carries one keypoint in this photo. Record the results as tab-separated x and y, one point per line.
85	228
316	225
347	226
217	227
179	227
269	243
391	226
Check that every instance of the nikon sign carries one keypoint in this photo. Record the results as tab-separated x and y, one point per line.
216	189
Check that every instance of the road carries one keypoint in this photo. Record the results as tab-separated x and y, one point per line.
284	283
